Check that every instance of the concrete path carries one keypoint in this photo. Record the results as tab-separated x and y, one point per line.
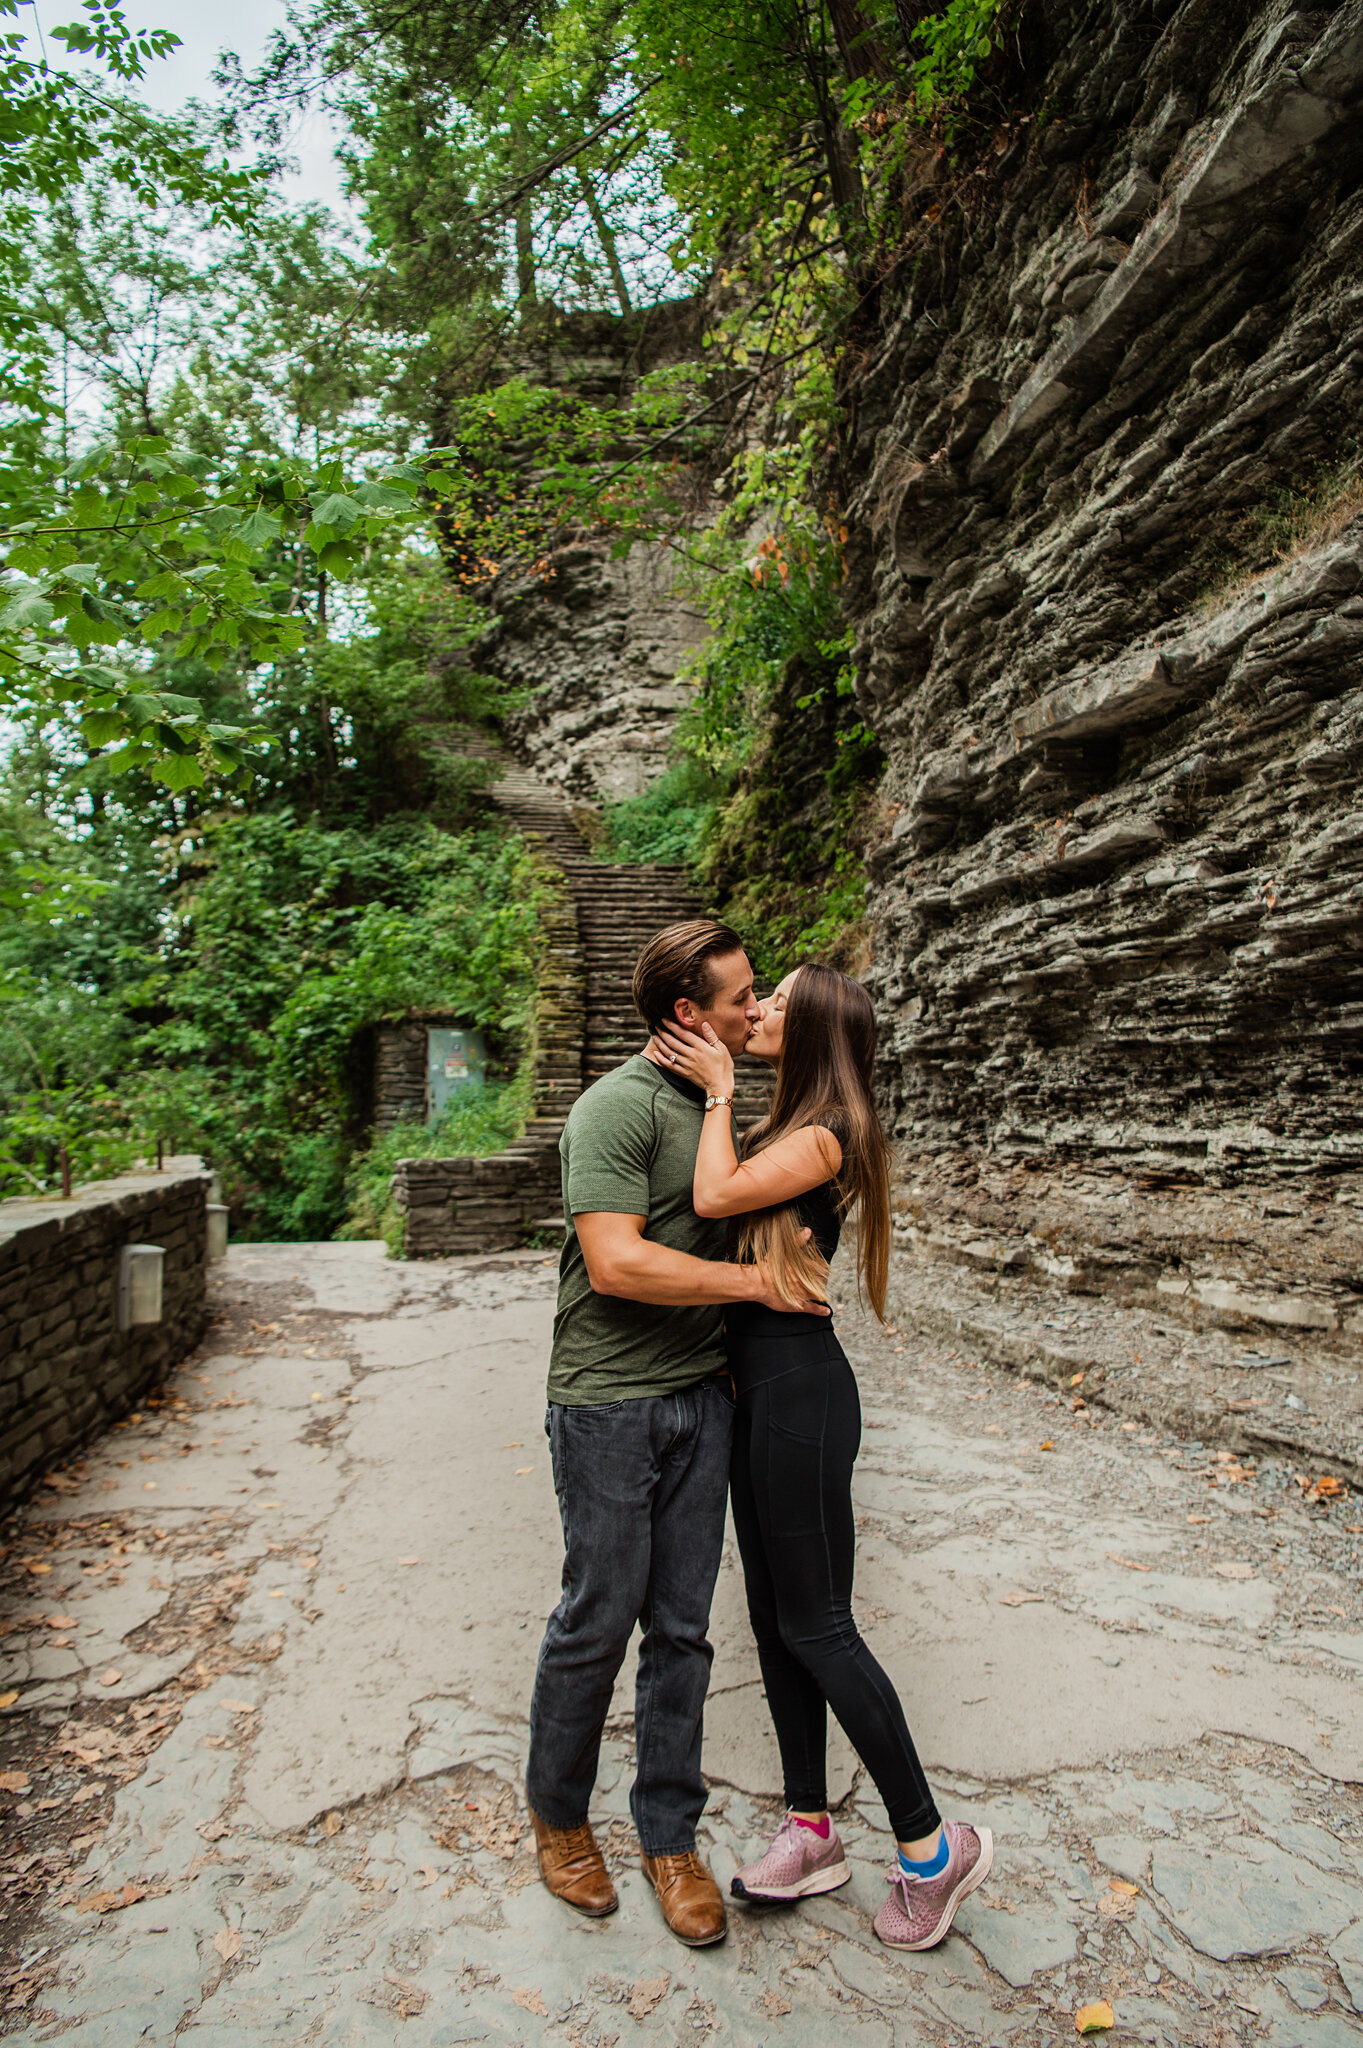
271	1642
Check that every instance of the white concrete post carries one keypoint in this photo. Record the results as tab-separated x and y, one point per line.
217	1230
140	1267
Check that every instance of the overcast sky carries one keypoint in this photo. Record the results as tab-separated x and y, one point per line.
205	27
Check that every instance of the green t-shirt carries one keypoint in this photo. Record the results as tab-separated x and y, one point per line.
629	1148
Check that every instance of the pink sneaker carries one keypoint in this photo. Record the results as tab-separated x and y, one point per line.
798	1865
920	1910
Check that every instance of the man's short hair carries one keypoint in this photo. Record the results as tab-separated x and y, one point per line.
679	961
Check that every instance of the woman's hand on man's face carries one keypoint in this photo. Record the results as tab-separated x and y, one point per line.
698	1056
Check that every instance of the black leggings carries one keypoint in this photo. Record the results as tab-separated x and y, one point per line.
796	1435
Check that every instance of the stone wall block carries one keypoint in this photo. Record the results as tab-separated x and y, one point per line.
66	1369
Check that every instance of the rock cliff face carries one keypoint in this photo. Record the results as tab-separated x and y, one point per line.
1119	899
597	644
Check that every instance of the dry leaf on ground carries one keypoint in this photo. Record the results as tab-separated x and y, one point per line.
227	1941
1049	1444
774	2005
531	2001
1119	1884
409	1560
110	1677
14	1781
1095	2018
426	1875
1018	1599
1327	1487
35	1566
114	1902
1129	1564
7	1699
332	1823
646	1994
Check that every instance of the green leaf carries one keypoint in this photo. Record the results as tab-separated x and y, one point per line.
180	771
99	727
258	529
140	712
338	510
29	612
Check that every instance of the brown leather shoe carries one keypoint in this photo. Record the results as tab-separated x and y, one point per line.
689	1897
573	1868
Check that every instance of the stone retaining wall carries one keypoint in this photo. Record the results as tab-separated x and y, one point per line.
66	1369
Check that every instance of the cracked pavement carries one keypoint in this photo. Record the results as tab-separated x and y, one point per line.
270	1643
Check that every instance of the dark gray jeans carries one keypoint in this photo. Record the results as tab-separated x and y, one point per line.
641	1490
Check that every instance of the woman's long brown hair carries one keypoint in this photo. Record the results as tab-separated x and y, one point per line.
826	1076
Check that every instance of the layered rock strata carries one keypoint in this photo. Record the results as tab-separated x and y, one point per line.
595	643
1119	899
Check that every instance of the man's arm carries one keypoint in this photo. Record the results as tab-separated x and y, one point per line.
621	1261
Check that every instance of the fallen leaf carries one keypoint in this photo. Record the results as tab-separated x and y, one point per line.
1327	1487
1076	1379
1199	1518
1234	1568
111	1677
114	1902
521	1470
514	1444
531	2001
60	1621
409	1560
774	2004
36	1567
1049	1445
148	1486
426	1875
647	1992
1128	1563
1119	1884
14	1781
237	1706
227	1941
1095	2018
332	1823
278	1593
1019	1599
7	1699
214	1830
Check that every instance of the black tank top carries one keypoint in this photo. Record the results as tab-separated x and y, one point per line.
820	1212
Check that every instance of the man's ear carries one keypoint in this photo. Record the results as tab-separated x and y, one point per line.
684	1010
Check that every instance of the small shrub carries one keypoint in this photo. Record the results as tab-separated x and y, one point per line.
478	1121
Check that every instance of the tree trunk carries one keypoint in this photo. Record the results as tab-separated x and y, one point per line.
862	54
606	238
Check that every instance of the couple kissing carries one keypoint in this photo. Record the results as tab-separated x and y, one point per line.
694	1358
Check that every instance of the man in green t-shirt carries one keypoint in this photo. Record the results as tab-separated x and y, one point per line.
640	1422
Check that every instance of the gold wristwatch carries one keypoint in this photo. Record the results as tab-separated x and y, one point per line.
718	1101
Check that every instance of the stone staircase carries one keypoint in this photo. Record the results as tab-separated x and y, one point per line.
586	1025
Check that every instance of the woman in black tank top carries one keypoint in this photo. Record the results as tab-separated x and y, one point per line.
819	1155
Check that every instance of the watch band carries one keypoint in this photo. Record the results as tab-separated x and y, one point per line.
718	1101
